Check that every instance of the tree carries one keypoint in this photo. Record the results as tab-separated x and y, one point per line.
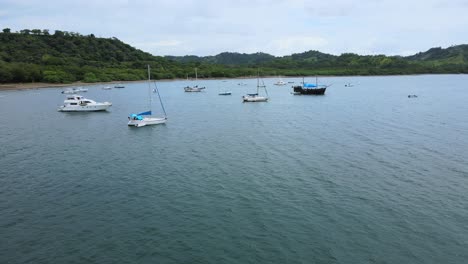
59	33
6	30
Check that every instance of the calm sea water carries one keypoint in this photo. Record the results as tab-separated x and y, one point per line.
361	175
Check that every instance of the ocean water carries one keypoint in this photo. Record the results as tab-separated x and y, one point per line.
363	174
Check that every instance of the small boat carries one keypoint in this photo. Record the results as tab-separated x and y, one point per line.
194	88
349	85
146	118
81	89
280	82
74	90
225	93
412	96
242	84
77	103
310	88
107	88
119	86
70	91
254	97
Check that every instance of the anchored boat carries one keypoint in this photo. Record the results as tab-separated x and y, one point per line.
147	118
77	103
255	97
310	88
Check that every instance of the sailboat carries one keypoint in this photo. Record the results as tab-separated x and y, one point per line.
146	118
194	88
310	88
255	97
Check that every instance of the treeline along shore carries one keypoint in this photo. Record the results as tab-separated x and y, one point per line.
30	56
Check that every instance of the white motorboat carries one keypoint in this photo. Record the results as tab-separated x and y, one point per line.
254	97
81	89
193	88
107	88
77	103
70	91
146	118
280	82
74	90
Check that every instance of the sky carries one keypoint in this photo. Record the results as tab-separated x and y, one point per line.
277	27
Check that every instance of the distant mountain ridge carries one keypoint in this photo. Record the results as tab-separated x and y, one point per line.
227	58
455	54
62	57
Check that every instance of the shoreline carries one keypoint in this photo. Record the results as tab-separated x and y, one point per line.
40	85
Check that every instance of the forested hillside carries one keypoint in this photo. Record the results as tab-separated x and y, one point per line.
39	56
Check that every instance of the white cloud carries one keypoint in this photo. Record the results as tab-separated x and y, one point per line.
279	27
286	45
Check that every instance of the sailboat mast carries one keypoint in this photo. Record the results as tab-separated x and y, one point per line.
160	101
149	87
156	90
258	80
196	75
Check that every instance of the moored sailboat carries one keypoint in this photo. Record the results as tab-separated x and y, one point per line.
147	118
255	97
194	88
310	88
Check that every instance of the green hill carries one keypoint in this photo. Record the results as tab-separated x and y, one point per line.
39	56
228	58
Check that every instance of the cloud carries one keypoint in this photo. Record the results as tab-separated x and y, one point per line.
286	45
279	27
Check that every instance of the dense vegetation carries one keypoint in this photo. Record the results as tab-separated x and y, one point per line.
39	56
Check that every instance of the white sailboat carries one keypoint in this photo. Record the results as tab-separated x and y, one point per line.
255	96
146	118
194	88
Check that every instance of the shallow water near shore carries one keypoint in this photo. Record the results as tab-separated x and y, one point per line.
363	174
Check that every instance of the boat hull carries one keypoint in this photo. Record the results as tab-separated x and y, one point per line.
309	91
254	99
85	108
225	93
147	121
193	89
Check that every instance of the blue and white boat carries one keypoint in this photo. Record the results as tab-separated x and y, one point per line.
147	118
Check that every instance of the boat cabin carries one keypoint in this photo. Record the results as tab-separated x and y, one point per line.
135	117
